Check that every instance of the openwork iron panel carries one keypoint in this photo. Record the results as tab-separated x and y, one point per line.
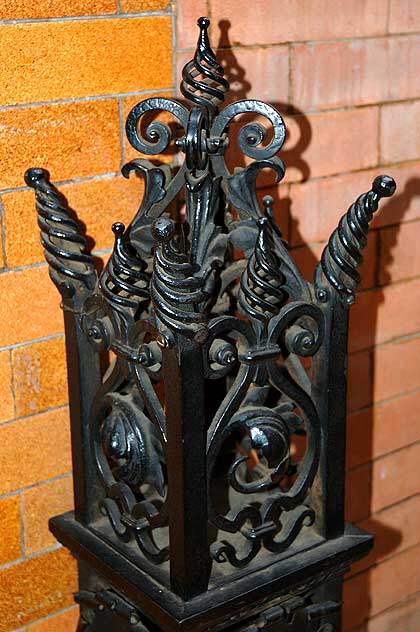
210	432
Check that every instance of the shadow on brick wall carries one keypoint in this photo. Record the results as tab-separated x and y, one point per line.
360	492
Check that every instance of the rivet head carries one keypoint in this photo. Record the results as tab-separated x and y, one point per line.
322	295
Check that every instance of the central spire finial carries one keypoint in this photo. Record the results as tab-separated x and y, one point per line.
203	83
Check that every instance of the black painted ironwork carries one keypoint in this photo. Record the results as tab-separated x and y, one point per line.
209	457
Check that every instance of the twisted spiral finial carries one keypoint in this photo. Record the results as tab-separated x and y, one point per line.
342	255
202	77
63	245
124	281
175	291
260	294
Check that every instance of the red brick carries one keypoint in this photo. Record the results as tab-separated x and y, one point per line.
358	493
396	369
378	316
289	22
396	120
381	587
404	16
317	205
124	55
338	74
310	140
404	616
395	476
307	258
400	255
395	530
70	140
355	600
186	21
371	432
39	317
359	388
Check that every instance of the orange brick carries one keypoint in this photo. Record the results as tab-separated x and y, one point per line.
377	316
70	140
359	388
64	622
34	303
10	526
396	144
136	6
96	57
187	13
36	587
288	23
404	16
381	587
34	456
404	616
400	256
310	137
39	505
396	369
39	376
338	74
395	530
6	394
98	203
371	432
23	10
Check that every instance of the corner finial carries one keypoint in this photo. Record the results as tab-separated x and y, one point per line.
203	83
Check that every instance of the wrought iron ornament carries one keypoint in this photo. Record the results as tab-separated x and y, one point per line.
208	441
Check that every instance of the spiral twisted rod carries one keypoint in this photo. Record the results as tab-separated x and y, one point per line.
260	295
124	281
176	292
203	83
342	255
63	245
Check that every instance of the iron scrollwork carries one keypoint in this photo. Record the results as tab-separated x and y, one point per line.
218	273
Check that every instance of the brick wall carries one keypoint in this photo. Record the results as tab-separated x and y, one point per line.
347	79
70	71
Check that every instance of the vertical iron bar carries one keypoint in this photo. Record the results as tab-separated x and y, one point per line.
330	393
186	462
84	378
